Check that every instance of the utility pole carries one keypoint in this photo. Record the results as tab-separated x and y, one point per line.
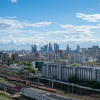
38	79
68	88
52	83
72	88
80	91
49	82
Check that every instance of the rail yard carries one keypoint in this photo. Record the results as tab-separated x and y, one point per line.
24	80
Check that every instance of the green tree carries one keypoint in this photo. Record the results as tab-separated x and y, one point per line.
12	62
72	65
73	79
63	58
29	64
31	69
4	91
22	63
91	62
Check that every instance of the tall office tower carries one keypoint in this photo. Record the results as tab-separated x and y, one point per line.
67	49
35	49
23	51
56	46
1	54
45	48
50	47
32	48
78	48
94	48
41	49
70	50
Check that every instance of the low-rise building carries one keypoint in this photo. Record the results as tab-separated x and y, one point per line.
43	95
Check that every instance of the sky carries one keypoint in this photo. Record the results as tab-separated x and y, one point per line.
38	22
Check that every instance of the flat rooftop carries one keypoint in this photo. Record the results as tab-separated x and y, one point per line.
48	94
36	90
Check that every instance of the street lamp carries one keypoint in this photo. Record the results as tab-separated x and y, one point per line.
49	81
25	74
38	78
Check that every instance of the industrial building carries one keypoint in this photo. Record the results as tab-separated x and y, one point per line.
43	95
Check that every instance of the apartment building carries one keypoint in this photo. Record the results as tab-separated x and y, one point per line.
53	56
76	57
63	72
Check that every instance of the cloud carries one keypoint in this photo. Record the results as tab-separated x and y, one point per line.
10	17
15	40
10	23
91	9
33	40
89	18
39	24
13	0
18	31
86	30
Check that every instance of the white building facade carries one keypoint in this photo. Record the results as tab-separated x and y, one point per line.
77	57
53	56
63	72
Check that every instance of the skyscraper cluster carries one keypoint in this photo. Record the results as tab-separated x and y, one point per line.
49	47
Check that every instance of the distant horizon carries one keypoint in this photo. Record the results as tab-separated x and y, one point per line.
38	48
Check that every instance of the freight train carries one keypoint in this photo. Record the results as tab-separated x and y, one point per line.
31	84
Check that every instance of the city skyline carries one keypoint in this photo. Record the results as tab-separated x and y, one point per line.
36	22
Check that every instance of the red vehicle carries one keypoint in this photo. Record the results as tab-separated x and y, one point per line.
32	84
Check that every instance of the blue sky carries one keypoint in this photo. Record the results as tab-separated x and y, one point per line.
27	22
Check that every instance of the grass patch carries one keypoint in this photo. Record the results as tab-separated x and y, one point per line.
82	97
4	81
5	97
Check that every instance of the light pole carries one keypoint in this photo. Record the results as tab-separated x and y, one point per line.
25	74
49	80
72	88
80	91
38	79
52	83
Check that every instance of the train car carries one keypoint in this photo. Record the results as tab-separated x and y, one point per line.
21	80
9	78
43	88
15	79
32	84
3	66
40	84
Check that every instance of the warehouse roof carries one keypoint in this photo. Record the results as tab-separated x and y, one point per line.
35	90
17	88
